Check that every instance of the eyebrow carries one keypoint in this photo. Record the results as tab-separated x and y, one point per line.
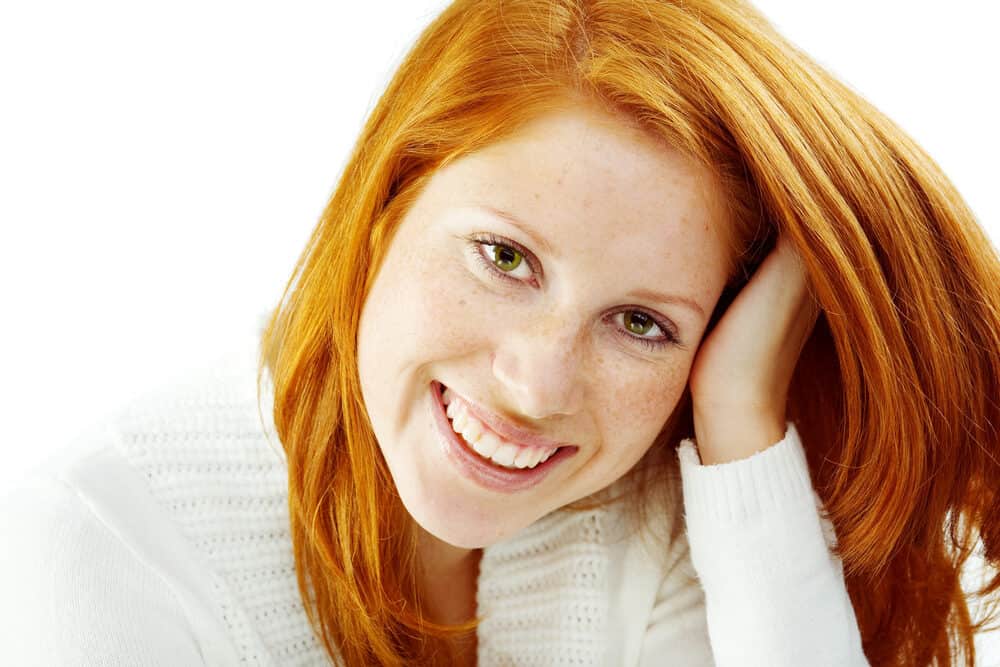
509	217
648	294
653	295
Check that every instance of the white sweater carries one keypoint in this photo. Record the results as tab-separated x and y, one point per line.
161	538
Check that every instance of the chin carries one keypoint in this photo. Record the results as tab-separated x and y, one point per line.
460	527
462	521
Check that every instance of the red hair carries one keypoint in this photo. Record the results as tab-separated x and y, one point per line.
895	395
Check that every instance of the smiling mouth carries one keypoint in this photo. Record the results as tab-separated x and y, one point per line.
488	445
484	472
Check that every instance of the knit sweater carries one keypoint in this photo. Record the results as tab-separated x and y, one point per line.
161	537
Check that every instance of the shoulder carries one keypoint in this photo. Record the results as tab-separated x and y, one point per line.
79	591
140	534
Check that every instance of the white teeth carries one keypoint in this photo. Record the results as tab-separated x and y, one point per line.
459	422
525	457
486	443
505	454
538	458
471	429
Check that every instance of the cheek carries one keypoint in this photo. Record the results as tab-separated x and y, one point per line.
639	407
436	307
641	390
413	315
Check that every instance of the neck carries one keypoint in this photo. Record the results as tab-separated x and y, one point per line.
448	577
439	555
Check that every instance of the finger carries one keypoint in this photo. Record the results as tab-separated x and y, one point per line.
808	309
792	291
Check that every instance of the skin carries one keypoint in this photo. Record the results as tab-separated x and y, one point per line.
552	353
741	374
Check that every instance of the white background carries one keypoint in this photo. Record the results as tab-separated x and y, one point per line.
162	165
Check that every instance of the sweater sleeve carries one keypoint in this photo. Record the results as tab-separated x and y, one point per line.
760	543
75	594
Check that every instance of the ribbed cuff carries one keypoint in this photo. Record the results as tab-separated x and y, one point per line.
768	481
775	594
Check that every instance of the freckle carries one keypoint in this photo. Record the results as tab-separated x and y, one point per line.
461	302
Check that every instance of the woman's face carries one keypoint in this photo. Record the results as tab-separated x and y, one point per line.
549	323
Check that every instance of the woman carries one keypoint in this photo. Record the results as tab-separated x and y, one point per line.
572	235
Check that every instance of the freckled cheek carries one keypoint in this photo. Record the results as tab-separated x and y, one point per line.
641	406
444	309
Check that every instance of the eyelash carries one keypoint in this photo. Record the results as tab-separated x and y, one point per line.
477	242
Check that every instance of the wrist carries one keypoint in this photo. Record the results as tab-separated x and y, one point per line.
732	435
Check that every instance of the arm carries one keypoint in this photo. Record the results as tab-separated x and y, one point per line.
75	594
774	594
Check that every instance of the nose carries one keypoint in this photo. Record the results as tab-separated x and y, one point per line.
540	367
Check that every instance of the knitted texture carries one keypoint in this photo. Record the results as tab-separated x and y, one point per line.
217	466
208	459
166	541
556	571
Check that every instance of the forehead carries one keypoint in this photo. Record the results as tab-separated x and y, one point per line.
590	182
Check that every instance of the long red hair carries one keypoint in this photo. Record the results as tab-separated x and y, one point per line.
895	395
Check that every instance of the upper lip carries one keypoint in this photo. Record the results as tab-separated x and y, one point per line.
507	430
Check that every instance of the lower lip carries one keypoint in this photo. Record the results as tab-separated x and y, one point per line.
481	471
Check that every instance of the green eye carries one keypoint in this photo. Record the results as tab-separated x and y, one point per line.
506	258
646	322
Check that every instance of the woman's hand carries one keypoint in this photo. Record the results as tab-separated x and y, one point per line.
741	372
